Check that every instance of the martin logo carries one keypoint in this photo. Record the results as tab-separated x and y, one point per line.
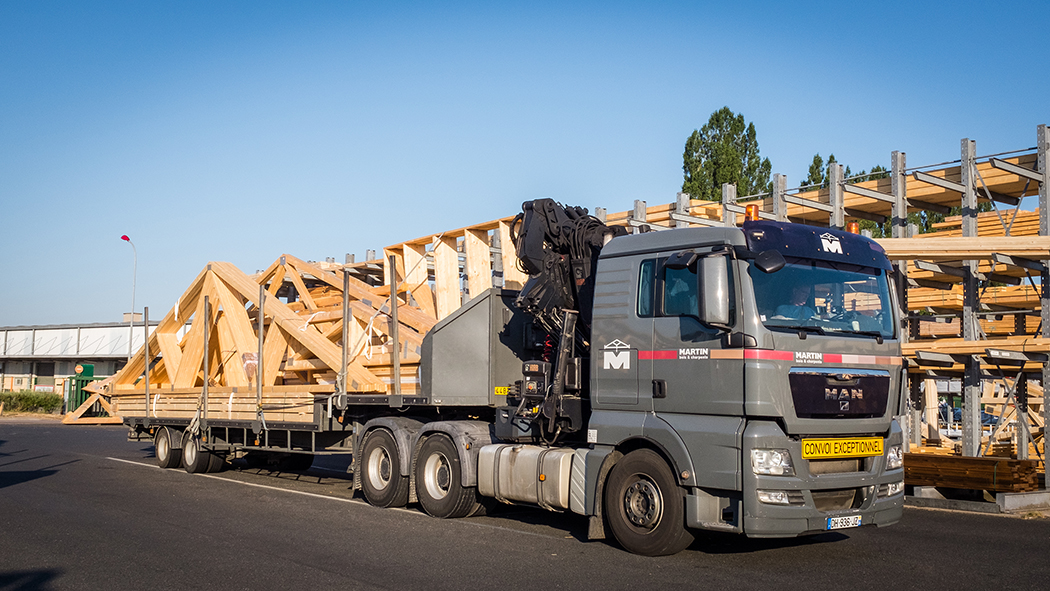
830	243
808	357
617	355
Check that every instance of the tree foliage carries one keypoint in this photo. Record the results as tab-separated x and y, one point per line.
725	150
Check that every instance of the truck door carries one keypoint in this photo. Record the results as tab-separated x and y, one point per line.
622	335
692	373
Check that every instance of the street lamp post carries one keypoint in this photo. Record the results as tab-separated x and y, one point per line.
134	272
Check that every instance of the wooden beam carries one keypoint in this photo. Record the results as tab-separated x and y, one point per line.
358	378
446	277
478	262
513	277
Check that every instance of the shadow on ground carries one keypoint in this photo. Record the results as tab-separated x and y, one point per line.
37	580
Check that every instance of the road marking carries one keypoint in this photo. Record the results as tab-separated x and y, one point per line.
135	463
354	501
266	486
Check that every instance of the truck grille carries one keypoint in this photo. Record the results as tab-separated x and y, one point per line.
818	467
834	500
829	393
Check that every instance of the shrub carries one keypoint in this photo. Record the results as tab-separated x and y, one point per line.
27	401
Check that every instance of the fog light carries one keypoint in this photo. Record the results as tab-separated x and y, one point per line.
894	457
895	488
772	462
773	497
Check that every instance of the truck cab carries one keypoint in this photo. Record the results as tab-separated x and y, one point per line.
762	365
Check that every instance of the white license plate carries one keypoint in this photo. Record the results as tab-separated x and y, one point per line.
843	522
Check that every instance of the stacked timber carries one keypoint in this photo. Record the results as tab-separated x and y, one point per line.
990	474
302	340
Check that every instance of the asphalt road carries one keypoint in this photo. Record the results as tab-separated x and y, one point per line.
82	508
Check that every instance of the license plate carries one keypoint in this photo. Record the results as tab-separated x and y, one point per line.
843	522
841	448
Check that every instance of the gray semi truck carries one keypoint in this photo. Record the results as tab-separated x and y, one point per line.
733	379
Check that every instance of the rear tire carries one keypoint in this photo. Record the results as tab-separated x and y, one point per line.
167	456
439	484
381	479
645	507
196	459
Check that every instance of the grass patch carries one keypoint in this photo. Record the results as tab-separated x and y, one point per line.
27	401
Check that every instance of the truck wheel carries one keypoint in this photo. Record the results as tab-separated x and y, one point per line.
438	484
194	459
645	507
167	456
216	462
197	460
381	479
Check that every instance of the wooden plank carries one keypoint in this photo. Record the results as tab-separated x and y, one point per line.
193	343
300	288
966	248
446	277
478	262
513	276
232	366
418	277
278	279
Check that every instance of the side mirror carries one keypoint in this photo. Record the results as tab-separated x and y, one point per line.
770	261
713	274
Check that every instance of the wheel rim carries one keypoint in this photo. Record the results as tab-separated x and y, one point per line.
163	447
379	468
190	451
437	475
643	503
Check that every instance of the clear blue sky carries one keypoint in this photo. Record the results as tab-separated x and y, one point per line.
238	131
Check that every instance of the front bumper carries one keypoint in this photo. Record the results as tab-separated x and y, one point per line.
816	497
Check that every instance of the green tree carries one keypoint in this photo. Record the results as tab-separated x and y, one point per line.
725	150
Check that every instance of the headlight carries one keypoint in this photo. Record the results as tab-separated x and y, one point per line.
894	457
772	462
780	497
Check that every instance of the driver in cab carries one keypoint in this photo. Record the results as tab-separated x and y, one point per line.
798	308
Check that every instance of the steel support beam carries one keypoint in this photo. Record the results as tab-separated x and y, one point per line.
779	191
728	199
837	219
971	423
1043	166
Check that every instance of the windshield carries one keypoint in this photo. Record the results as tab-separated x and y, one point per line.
822	296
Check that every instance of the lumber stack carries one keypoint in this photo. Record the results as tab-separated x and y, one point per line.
302	352
991	474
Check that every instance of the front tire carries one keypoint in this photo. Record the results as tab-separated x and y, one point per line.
381	479
439	484
645	507
167	456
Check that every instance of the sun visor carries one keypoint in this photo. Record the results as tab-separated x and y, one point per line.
811	242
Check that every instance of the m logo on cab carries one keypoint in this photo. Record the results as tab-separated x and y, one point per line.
830	243
616	355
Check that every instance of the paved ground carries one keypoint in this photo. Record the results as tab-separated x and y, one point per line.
81	508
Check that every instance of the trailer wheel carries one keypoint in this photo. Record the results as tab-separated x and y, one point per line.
197	460
381	478
438	484
645	507
167	456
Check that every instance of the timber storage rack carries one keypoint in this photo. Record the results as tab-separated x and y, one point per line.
276	351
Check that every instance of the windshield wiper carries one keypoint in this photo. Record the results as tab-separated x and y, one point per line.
802	329
869	333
